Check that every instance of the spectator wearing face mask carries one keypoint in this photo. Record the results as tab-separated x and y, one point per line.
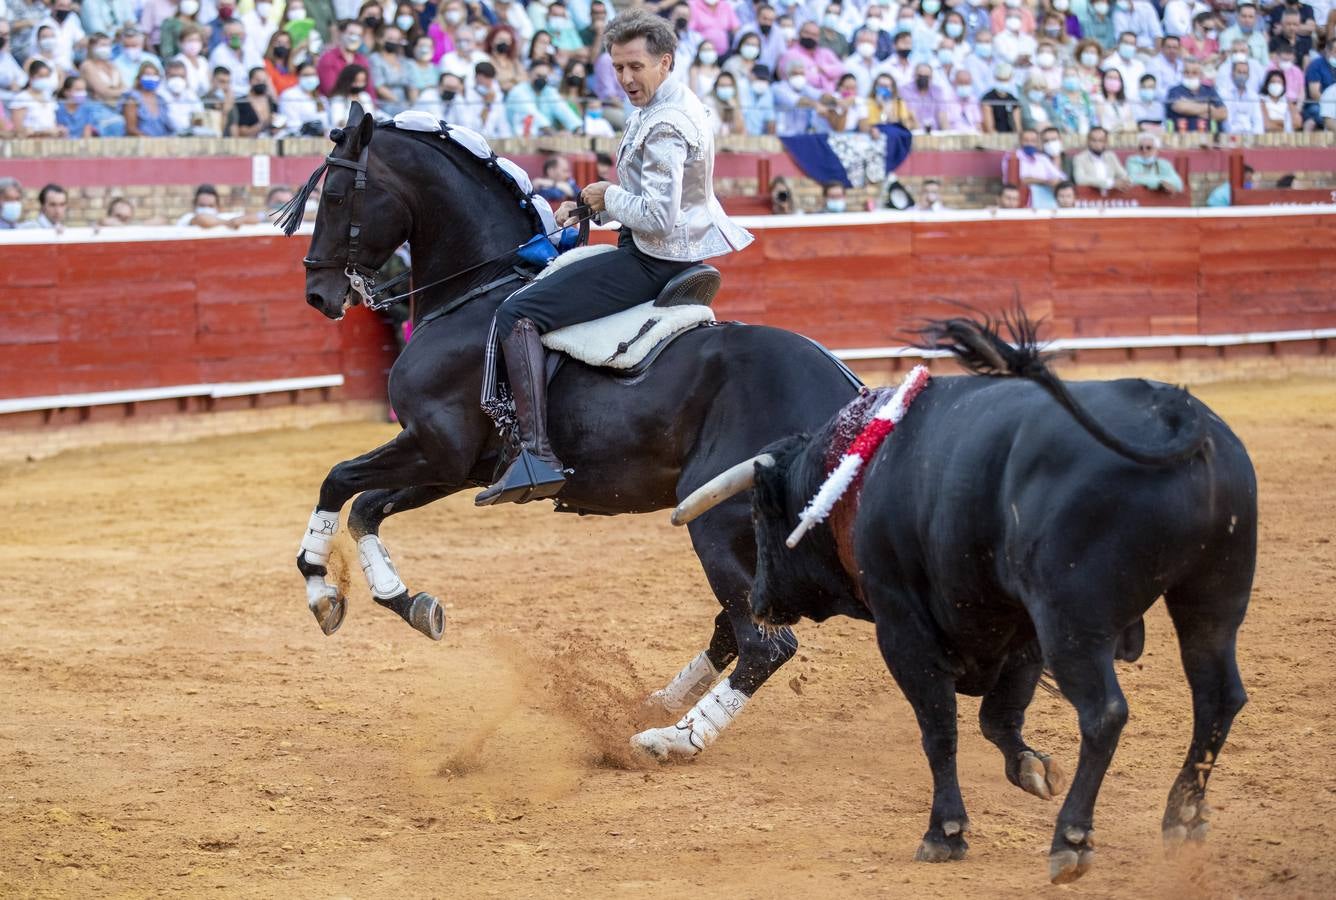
12	76
884	106
770	39
1036	105
1001	105
186	18
192	58
303	107
1203	41
1047	68
821	67
725	105
1097	23
1280	115
253	114
759	109
926	99
1097	166
744	57
279	63
21	17
33	110
1073	109
390	71
795	100
302	27
964	115
184	109
44	49
1250	30
1051	140
100	74
1192	104
1147	108
352	86
833	33
422	73
704	70
235	55
535	106
129	53
832	197
1140	18
1037	170
52	206
486	107
1282	61
862	63
931	198
1011	42
1052	27
83	116
1233	84
1006	10
1146	169
67	33
1320	75
503	52
901	63
346	53
1125	59
207	212
11	203
145	109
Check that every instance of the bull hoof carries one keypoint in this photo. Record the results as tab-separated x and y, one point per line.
427	616
329	608
945	844
1192	826
1040	774
1072	856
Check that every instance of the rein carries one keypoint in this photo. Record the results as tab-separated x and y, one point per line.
362	279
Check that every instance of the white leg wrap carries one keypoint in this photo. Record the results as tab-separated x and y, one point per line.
698	729
381	576
688	686
320	533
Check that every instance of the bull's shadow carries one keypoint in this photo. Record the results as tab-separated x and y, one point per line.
1005	526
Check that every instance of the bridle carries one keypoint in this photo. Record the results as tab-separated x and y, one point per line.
362	278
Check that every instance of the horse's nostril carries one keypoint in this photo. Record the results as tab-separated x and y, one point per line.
314	300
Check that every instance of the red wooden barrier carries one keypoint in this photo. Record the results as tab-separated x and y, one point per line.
84	317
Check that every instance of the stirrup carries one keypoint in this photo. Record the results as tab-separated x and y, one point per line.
526	478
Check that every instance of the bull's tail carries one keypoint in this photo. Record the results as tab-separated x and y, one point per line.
978	346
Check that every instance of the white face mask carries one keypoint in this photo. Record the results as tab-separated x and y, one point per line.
759	87
1275	89
874	24
789	32
352	41
866	50
10	210
708	57
189	7
295	13
102	52
1089	59
263	10
176	84
1013	24
1100	7
1192	83
1045	60
192	48
454	16
750	51
206	211
1052	148
47	45
44	85
797	82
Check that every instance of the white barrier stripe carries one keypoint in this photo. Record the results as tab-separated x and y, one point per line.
1112	343
174	392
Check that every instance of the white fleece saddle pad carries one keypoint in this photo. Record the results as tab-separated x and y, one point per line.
621	340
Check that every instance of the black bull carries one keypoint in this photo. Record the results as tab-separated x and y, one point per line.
995	536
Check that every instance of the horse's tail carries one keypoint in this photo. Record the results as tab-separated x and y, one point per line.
979	347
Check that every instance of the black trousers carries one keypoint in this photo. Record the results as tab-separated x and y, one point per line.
591	289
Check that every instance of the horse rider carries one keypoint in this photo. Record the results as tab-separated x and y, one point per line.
670	220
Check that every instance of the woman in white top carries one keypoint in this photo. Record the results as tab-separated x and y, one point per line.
1115	112
704	70
1279	115
198	74
302	106
725	105
33	109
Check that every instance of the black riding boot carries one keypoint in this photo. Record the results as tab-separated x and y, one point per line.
536	472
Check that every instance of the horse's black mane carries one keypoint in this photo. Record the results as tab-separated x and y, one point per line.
289	216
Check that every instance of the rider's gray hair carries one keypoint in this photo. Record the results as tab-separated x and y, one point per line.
636	23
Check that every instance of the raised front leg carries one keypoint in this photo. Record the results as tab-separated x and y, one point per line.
930	688
394	465
1002	716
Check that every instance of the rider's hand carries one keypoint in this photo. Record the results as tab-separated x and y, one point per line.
566	214
593	195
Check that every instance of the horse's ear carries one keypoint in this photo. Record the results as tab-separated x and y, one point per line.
365	129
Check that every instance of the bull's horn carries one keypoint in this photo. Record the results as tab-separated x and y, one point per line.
728	483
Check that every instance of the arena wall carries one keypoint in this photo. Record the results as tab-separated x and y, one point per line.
137	324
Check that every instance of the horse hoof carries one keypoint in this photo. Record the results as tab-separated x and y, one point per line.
329	608
1040	775
1065	866
427	616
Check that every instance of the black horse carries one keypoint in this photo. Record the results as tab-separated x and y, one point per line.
635	444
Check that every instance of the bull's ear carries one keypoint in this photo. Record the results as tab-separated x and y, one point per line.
769	491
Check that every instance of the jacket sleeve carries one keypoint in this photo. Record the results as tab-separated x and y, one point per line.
653	212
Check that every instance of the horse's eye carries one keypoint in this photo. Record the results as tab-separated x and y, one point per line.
335	199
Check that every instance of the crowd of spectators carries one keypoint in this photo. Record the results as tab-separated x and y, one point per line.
506	68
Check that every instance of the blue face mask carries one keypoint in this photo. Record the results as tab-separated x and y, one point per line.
1147	94
595	113
149	82
883	92
1071	84
835	206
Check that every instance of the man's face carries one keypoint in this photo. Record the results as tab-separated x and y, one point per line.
1011	199
1130	40
1242	72
1247	18
1146	147
809	30
133	41
452	84
56	201
222	82
904	42
1029	138
639	73
1097	141
1170	49
10	193
1066	198
1289	25
931	193
766	17
122	213
561	170
1192	70
353	33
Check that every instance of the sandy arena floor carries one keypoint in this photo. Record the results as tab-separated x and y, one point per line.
172	721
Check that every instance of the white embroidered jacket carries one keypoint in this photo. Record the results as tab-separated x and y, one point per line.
665	170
